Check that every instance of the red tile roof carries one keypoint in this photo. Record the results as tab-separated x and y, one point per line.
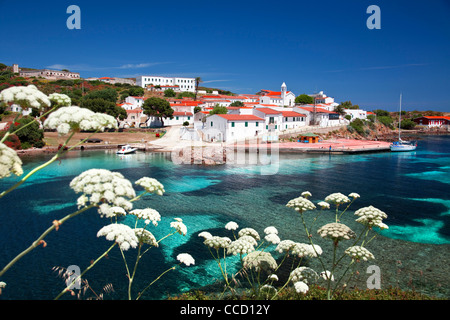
180	113
311	109
240	117
292	114
268	111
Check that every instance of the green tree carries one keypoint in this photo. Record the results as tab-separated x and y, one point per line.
169	93
31	135
158	107
407	124
197	109
237	104
381	113
105	94
219	110
304	99
104	106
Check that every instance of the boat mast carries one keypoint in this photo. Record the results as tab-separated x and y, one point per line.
400	117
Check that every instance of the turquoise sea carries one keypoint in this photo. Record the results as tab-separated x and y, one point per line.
412	188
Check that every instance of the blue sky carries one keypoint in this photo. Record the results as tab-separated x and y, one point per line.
244	46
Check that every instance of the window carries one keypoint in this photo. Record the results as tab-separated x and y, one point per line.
267	127
271	120
189	118
177	118
232	124
257	123
246	124
211	123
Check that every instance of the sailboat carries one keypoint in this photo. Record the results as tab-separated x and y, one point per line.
402	145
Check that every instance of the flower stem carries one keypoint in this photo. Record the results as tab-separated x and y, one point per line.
87	269
39	240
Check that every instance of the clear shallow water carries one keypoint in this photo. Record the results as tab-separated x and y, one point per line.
412	188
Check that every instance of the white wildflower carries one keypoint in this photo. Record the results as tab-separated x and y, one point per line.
179	226
145	236
259	260
249	239
147	214
316	250
108	211
354	195
240	246
272	277
272	238
78	119
306	194
217	242
9	162
336	232
268	290
302	250
122	234
186	258
231	225
249	232
103	186
151	185
371	216
270	230
25	96
337	198
324	205
285	246
60	99
301	287
327	275
205	235
305	274
358	253
301	204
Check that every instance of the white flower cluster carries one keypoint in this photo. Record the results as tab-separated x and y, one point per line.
301	204
337	198
324	205
122	234
306	194
145	236
259	260
186	258
147	214
74	118
249	232
151	185
354	195
272	238
179	226
336	232
29	96
60	99
371	216
301	287
215	241
304	274
231	225
358	253
306	250
240	246
103	186
285	246
270	230
9	162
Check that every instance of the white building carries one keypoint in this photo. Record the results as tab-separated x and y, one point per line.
327	102
356	114
273	119
319	116
178	84
228	127
280	98
293	120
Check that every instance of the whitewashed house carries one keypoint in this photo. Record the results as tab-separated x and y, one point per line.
273	119
356	114
176	83
134	102
293	120
280	98
228	127
319	116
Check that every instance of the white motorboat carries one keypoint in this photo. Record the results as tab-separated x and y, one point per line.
126	149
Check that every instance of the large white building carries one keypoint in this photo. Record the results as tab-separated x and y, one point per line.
175	83
280	98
